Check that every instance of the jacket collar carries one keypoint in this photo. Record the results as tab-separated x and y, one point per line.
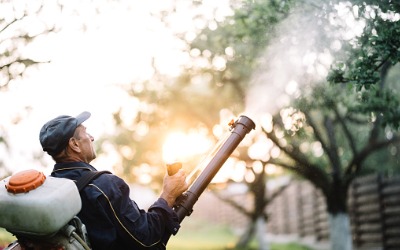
73	165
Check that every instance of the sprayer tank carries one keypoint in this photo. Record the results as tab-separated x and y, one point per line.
38	209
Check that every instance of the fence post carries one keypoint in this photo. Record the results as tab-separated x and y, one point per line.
353	212
382	209
286	227
300	223
316	214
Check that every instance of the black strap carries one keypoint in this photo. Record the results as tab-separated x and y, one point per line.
88	177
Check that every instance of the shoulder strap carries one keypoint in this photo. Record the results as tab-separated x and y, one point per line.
88	177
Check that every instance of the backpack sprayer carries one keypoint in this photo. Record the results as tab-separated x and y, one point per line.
36	207
40	211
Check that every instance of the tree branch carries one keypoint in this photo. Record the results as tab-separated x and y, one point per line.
293	153
336	165
312	173
234	204
279	191
318	136
346	130
12	22
354	166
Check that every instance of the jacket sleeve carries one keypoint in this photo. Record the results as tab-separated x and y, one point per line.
136	226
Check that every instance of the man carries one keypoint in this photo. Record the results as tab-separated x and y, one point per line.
112	219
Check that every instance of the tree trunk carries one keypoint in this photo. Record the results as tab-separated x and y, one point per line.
340	233
257	228
261	234
246	237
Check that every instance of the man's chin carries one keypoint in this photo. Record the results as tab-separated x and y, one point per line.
93	157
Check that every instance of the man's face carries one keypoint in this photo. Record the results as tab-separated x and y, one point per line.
85	141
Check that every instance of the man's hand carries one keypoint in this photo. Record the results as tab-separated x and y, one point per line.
173	186
173	168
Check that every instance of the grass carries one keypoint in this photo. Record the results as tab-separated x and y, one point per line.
5	238
195	235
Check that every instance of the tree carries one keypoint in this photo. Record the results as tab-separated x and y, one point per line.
323	140
261	198
324	119
20	25
195	99
200	94
370	57
330	140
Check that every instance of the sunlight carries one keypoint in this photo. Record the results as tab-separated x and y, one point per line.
196	146
91	55
144	173
260	148
292	119
239	171
249	176
347	17
226	172
272	169
181	147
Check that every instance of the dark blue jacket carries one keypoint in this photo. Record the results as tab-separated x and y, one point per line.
112	219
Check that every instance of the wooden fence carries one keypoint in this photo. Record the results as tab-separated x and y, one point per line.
300	211
374	209
374	204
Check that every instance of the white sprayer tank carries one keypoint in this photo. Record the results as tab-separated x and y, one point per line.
33	204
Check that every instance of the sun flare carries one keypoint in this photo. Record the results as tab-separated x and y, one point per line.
181	147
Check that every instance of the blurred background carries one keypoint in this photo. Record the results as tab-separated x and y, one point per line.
163	79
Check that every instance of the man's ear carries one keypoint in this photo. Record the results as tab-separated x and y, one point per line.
74	145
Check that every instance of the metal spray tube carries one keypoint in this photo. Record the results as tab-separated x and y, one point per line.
184	204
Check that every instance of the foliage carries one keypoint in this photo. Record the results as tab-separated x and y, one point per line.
236	44
20	24
5	238
370	56
328	143
331	136
16	34
194	100
330	139
162	110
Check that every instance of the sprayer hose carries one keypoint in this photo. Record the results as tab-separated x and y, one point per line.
83	243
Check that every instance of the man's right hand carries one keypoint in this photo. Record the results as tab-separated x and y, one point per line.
174	186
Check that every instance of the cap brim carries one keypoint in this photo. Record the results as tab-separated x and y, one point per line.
82	117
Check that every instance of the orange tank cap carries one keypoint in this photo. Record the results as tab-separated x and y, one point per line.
25	181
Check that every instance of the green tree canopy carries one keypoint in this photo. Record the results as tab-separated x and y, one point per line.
370	56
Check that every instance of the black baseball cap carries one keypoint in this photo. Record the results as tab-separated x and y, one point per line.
55	134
